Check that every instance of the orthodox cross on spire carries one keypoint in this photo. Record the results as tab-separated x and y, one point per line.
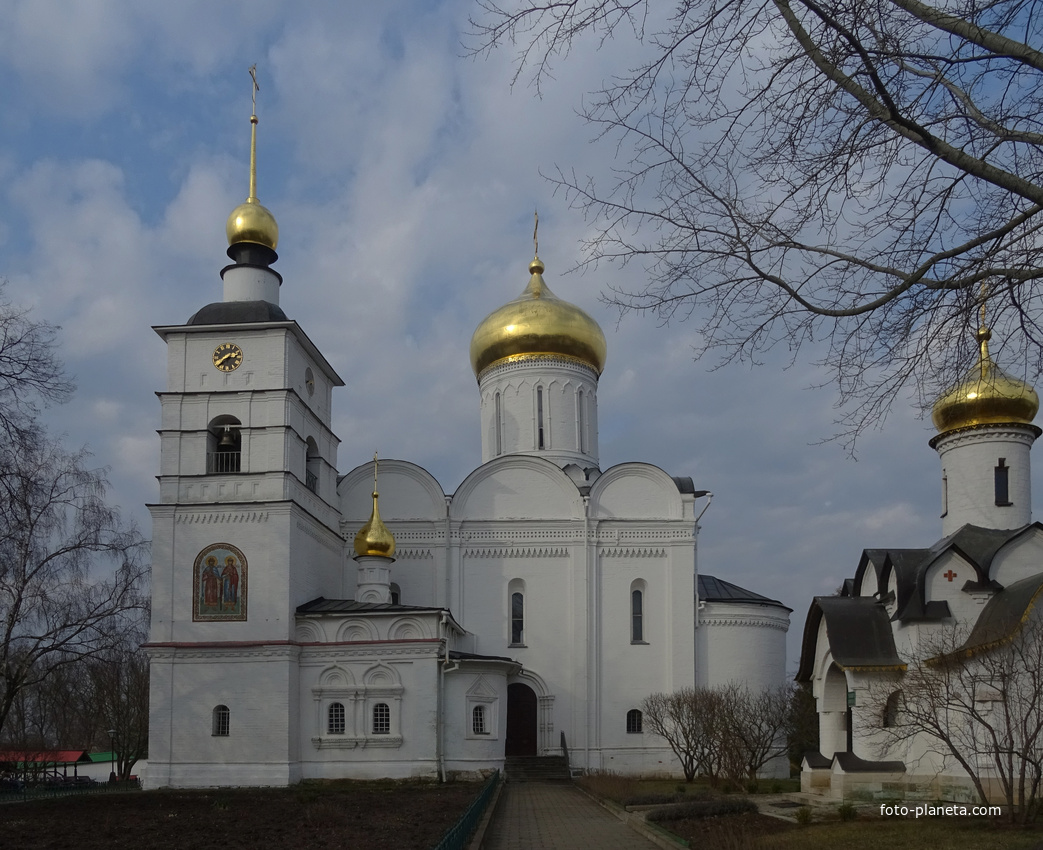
256	88
536	233
374	473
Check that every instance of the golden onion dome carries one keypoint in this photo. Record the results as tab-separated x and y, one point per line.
374	538
252	222
537	322
986	396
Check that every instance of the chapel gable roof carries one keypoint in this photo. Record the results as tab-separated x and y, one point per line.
1004	614
858	631
978	546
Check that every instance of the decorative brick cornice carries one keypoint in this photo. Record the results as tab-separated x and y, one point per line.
526	552
218	516
633	552
760	622
413	554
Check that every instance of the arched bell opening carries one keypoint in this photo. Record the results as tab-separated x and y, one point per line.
224	445
312	460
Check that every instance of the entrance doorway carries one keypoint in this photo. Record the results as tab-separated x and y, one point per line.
521	721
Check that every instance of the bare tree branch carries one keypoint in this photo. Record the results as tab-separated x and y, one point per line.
843	175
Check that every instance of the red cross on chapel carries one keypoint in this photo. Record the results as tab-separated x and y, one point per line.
949	575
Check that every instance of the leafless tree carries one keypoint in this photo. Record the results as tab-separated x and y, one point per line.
31	373
860	174
758	731
982	710
726	732
688	721
802	731
119	683
70	569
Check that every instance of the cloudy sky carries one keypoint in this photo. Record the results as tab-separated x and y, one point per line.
404	177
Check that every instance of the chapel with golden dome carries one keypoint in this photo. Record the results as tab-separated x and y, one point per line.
910	609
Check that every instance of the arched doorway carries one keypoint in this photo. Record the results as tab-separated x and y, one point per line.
834	714
521	721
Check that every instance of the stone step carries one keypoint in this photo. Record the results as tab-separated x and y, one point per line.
536	769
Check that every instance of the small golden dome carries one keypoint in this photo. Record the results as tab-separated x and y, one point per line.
252	222
374	538
537	322
986	396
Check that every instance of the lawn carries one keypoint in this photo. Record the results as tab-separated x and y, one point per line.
868	831
371	815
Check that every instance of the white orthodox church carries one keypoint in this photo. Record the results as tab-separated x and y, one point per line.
299	632
965	596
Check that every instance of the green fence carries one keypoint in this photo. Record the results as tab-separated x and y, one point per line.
62	789
457	836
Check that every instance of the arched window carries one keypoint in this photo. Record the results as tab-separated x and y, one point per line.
633	720
335	719
517	619
396	594
581	425
499	426
221	721
637	614
478	724
540	441
312	462
381	719
224	446
891	709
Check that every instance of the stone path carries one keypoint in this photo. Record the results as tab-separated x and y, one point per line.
548	816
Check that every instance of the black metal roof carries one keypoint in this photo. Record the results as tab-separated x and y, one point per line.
713	589
350	606
859	634
238	313
850	763
684	483
1004	614
472	656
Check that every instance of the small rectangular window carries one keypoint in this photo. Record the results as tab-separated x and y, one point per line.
335	725
1002	473
478	725
381	719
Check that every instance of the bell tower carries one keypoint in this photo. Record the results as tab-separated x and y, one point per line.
246	527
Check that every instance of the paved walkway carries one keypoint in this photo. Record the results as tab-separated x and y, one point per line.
548	816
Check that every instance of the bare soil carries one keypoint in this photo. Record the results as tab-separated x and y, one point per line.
356	815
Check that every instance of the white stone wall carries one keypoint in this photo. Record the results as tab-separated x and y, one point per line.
569	410
743	643
969	459
258	685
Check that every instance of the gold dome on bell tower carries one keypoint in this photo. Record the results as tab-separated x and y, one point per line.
537	323
250	221
986	396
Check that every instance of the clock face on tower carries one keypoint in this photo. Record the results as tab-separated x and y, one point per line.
228	357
